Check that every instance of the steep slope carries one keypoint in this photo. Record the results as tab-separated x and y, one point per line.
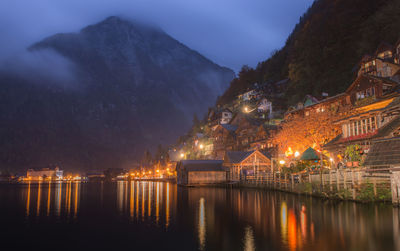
324	48
133	87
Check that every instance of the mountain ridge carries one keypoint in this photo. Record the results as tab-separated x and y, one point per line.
136	87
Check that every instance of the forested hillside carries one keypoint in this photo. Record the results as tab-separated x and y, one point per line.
322	52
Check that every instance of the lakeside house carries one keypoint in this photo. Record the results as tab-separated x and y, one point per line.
198	172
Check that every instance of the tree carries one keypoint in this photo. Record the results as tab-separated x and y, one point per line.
314	130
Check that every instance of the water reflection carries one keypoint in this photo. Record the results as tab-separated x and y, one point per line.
249	239
217	218
42	196
202	224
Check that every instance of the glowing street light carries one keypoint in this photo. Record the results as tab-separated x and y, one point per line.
282	162
331	159
296	154
246	109
182	155
201	146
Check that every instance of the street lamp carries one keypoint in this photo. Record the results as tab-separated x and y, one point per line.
201	146
296	154
282	162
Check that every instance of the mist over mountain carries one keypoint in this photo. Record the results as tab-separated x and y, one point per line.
99	98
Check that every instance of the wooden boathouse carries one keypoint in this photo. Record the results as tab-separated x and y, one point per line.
197	172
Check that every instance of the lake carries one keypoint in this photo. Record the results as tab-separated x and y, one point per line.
162	216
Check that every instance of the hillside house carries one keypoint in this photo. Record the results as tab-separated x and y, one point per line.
224	138
369	122
246	131
384	63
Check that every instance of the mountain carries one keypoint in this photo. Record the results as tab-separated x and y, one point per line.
103	96
323	51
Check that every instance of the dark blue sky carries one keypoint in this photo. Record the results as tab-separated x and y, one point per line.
229	32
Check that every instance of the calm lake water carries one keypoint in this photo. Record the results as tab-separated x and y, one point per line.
161	216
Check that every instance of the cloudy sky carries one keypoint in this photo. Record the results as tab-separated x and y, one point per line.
229	32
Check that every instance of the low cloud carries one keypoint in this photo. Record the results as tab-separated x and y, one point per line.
44	66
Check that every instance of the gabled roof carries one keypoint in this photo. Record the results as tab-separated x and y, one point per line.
236	157
382	47
310	100
366	58
230	128
371	80
310	154
201	165
384	153
388	128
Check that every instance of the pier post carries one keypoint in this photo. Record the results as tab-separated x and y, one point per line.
292	182
353	184
395	185
337	180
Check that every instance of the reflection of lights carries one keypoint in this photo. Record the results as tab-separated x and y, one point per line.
284	220
249	239
143	201
120	195
167	208
77	184
282	162
132	199
58	197
303	221
48	199
157	201
149	200
38	198
202	225
292	230
296	154
28	199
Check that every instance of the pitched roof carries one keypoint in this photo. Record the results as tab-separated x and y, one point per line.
201	165
370	79
383	46
229	127
388	128
384	152
238	156
310	154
